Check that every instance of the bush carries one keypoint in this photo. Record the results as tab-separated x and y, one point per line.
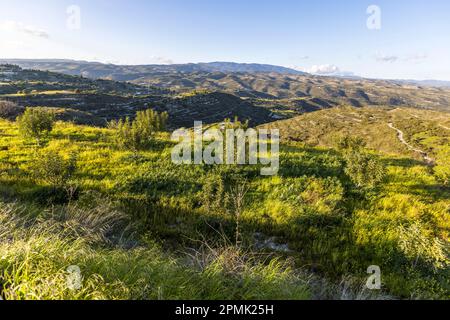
9	110
364	169
53	169
36	123
215	197
346	143
139	133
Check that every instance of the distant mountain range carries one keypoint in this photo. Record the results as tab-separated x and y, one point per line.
427	83
97	70
280	89
131	72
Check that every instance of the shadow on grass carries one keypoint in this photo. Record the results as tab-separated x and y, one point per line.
403	162
434	192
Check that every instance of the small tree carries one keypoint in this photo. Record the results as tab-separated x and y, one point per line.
53	169
57	172
35	123
150	121
127	135
139	133
347	143
364	169
236	124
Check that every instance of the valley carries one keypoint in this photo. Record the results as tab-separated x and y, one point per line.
363	180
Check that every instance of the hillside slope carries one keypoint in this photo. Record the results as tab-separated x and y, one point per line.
373	125
261	82
128	72
95	102
310	219
418	134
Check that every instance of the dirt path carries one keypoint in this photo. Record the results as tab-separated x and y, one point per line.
401	137
442	126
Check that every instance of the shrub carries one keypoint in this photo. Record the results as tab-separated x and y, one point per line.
9	110
236	124
53	169
420	247
215	197
363	168
347	143
35	123
139	133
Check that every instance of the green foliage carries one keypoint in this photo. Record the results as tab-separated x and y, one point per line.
442	168
403	227
364	169
139	133
35	123
309	195
236	124
215	197
150	121
36	255
53	169
349	143
421	248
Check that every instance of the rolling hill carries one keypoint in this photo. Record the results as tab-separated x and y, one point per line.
130	72
264	85
322	220
95	102
419	134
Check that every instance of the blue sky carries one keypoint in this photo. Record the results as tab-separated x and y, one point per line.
318	36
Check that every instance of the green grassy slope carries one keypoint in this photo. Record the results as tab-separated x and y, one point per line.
331	228
427	131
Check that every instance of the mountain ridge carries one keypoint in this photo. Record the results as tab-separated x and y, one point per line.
129	72
78	67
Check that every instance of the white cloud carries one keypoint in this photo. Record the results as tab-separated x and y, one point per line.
386	58
14	26
415	58
324	69
162	60
419	57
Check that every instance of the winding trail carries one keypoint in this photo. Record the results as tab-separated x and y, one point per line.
401	137
442	126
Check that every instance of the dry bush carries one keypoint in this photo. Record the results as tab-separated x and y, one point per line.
10	110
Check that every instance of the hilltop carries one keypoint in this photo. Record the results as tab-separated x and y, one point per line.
273	87
82	197
131	72
418	134
97	101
